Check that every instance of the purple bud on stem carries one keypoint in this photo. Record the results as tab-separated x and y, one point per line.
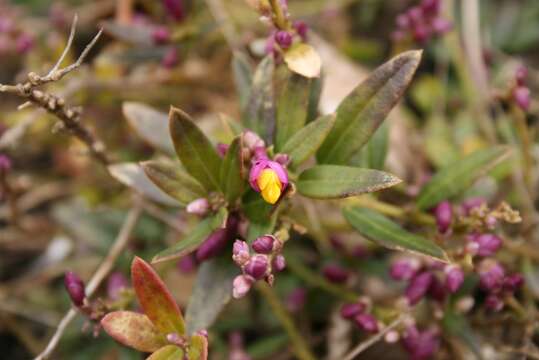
75	288
335	273
444	216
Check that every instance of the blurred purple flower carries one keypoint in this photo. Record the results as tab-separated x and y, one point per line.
241	285
404	269
116	283
75	288
418	287
335	273
444	216
367	322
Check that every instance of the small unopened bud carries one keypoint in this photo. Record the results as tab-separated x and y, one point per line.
241	285
404	269
175	9
283	38
187	264
437	290
161	35
278	264
335	273
513	282
222	149
491	275
75	288
199	207
444	216
213	245
454	277
116	283
257	266
441	25
264	244
418	287
430	7
349	311
521	95
488	244
240	252
366	322
5	163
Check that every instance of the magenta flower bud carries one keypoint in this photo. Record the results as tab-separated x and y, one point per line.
264	244
403	21
360	251
430	7
421	345
494	302
444	216
421	33
278	264
24	43
301	29
335	273
240	252
367	322
469	204
257	266
351	310
283	38
75	288
404	269
488	244
199	207
521	74
187	264
241	285
174	8
212	246
171	58
513	282
222	149
161	35
415	15
441	25
521	95
5	163
252	140
437	290
491	275
295	301
454	277
116	283
418	287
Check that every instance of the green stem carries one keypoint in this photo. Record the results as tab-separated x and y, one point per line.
300	348
523	133
278	15
318	281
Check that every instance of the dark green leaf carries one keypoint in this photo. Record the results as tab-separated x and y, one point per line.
232	172
212	291
336	181
194	238
385	232
260	113
150	124
373	154
456	325
173	180
196	152
439	145
291	109
363	110
243	76
314	97
306	141
457	177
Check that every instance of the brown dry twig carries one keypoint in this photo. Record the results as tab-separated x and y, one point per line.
69	116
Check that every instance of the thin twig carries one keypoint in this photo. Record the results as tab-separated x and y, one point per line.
373	339
67	47
101	273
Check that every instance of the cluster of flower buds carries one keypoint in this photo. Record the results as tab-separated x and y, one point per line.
420	345
280	40
359	313
262	265
420	23
268	177
432	279
498	286
521	92
13	40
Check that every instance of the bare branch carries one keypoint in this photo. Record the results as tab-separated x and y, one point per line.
101	273
68	45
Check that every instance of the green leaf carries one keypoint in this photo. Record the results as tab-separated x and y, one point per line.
259	115
232	171
457	177
336	181
168	352
243	76
303	60
385	232
439	144
193	240
212	291
231	125
173	180
150	124
364	109
456	325
133	176
291	109
133	330
314	98
155	299
307	140
373	155
196	152
198	348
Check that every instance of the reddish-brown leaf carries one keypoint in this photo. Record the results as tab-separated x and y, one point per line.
198	348
169	352
155	299
133	330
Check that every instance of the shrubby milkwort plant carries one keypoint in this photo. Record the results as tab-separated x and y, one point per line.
288	216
